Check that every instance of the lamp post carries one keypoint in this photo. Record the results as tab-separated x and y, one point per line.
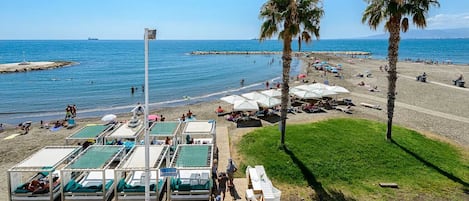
150	34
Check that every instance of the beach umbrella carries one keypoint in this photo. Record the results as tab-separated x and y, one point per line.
245	105
324	92
153	117
272	92
338	89
267	101
232	98
303	94
109	117
303	87
253	95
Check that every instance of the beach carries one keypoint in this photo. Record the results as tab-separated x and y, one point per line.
437	108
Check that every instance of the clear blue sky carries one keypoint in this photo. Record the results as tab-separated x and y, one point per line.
184	19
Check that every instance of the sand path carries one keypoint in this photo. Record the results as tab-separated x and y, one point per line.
415	108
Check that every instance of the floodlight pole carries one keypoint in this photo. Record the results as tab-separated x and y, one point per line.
150	34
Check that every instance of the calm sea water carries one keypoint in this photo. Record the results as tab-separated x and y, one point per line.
101	82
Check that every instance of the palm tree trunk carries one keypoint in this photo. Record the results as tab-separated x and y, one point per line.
393	51
299	43
286	61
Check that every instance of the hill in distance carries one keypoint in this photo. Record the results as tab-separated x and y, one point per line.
428	34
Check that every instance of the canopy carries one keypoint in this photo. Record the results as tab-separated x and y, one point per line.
47	157
324	92
338	89
272	92
232	98
192	156
253	95
200	127
304	94
137	157
245	105
268	101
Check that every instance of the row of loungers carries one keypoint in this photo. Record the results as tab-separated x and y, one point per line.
92	174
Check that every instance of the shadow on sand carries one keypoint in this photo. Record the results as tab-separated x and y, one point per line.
321	193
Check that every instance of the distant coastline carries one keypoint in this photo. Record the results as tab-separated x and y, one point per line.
32	66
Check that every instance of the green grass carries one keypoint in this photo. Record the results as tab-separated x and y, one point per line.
347	158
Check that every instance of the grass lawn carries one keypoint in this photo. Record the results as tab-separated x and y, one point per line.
346	159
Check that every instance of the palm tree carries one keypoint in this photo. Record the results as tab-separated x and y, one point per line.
395	14
278	12
309	16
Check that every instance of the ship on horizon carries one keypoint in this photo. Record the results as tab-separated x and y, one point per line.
92	38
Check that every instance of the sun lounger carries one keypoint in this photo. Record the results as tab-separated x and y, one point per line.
370	106
344	109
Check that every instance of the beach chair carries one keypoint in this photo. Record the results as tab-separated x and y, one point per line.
347	110
371	106
71	123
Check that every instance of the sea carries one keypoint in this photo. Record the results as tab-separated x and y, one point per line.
105	71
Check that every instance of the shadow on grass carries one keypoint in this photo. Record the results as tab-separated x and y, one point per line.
321	193
438	169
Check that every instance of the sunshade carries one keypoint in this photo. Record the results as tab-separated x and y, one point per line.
232	98
109	117
272	92
253	95
245	105
338	89
267	101
305	94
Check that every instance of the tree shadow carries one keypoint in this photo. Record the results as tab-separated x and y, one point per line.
438	169
321	193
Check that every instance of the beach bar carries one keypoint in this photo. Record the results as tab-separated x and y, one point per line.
193	181
91	132
90	176
41	168
130	173
199	132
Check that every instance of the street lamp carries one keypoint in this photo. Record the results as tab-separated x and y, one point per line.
150	34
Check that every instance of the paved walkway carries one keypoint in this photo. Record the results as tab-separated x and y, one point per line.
415	108
223	144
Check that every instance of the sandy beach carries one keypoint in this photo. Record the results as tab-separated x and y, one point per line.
436	108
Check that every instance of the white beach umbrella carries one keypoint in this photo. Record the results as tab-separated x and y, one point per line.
324	92
317	86
338	89
303	94
272	92
268	101
232	98
253	95
304	87
109	117
245	105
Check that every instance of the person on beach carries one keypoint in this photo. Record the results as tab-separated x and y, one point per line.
167	141
183	117
1	128
267	84
73	110
219	110
278	85
222	180
231	168
162	118
132	90
189	114
242	82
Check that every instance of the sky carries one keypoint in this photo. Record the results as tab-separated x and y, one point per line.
185	19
